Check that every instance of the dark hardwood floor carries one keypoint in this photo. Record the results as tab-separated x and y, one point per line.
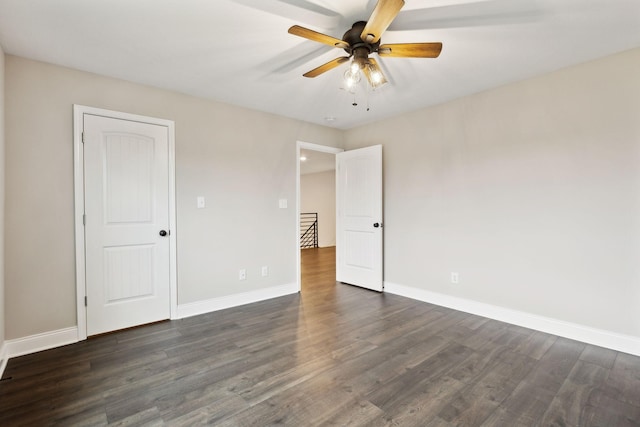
333	355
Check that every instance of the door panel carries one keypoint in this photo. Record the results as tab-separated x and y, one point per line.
126	205
359	208
128	273
129	176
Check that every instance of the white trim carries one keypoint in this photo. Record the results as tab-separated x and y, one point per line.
43	341
229	301
624	343
4	357
313	147
78	189
78	175
53	339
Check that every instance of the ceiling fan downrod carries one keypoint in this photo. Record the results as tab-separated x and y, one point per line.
359	48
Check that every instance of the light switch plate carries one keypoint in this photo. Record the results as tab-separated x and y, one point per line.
455	278
282	203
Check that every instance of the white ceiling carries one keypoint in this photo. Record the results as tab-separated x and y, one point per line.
316	161
239	51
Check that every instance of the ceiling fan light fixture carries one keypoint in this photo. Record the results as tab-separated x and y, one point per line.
374	74
376	77
352	77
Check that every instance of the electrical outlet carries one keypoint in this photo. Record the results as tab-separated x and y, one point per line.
454	277
265	271
200	202
242	274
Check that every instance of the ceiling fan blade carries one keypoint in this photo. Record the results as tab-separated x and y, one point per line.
384	12
304	11
297	30
293	58
326	67
410	50
471	14
374	73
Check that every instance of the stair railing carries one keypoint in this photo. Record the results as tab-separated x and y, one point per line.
308	230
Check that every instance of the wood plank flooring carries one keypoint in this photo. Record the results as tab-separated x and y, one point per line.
332	355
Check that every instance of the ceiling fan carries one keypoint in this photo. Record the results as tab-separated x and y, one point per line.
362	40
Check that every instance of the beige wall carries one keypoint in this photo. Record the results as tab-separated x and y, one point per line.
2	173
241	161
318	194
530	191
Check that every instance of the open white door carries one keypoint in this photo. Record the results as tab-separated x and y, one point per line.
359	217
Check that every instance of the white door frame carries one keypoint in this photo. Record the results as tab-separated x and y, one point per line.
301	145
78	177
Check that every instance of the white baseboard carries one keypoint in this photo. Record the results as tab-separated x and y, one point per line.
52	339
4	357
624	343
229	301
43	341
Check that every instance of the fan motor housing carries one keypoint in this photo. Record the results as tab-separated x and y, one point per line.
352	37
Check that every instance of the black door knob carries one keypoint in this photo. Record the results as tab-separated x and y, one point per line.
163	233
376	225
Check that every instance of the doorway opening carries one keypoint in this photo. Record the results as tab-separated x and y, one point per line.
316	195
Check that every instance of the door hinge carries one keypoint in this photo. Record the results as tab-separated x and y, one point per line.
83	137
84	219
85	300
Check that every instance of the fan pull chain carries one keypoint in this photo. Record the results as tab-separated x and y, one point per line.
367	94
